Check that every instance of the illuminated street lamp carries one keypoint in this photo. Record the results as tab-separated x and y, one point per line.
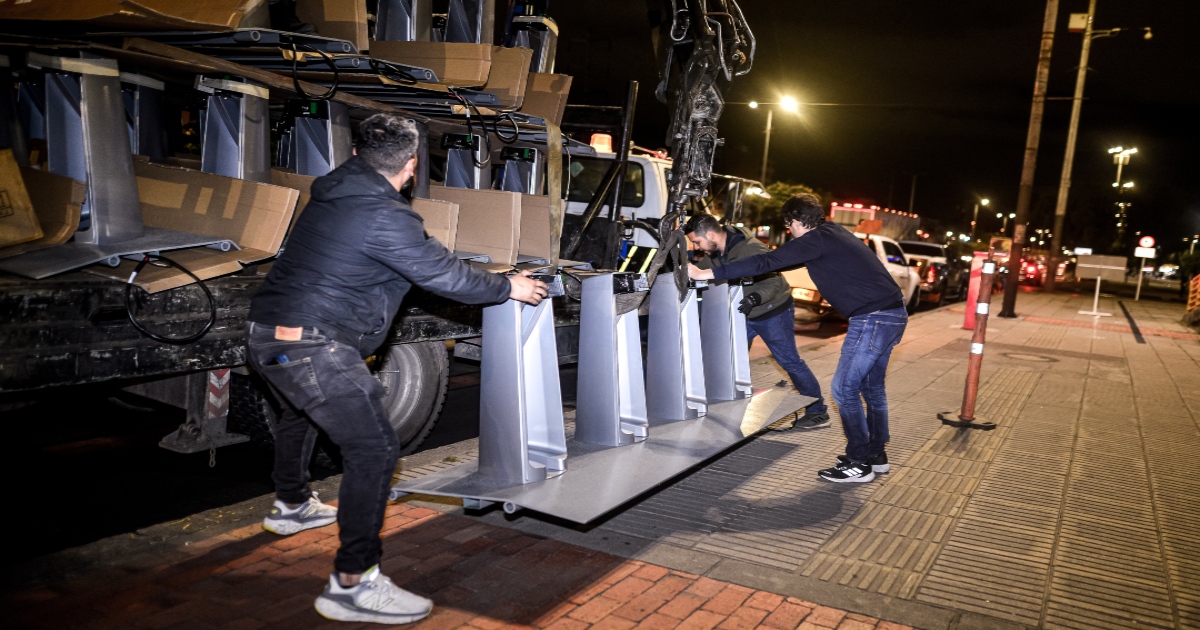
975	215
1001	215
787	104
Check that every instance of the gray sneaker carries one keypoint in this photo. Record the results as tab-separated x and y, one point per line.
286	521
375	599
812	421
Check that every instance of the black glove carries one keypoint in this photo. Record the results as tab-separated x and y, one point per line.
749	302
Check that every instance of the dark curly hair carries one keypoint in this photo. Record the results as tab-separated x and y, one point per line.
805	208
387	142
702	223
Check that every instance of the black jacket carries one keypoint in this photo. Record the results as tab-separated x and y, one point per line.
775	294
353	255
847	273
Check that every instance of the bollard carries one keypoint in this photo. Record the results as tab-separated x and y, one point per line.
966	418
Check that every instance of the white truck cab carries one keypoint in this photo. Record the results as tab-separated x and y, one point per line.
806	295
645	196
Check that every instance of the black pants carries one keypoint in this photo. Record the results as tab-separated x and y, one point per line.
325	383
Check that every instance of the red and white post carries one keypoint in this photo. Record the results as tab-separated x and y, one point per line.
966	417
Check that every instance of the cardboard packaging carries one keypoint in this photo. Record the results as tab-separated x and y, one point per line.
57	201
454	63
18	222
489	221
302	184
253	215
509	75
145	15
546	96
535	227
339	19
441	220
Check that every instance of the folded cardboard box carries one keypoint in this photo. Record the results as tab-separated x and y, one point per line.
339	19
302	184
536	227
441	220
509	75
546	96
454	63
57	201
144	15
251	214
18	221
489	221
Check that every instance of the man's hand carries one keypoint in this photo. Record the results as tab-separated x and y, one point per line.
526	289
696	273
749	302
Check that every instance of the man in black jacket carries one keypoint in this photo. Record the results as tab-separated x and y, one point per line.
768	306
855	283
327	304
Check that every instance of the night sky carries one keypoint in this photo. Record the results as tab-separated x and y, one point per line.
942	89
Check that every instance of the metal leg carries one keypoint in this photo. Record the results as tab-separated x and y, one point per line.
540	34
143	99
522	170
464	154
726	357
521	435
674	366
470	21
403	20
236	131
320	142
611	397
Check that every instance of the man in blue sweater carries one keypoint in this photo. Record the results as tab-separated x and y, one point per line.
855	283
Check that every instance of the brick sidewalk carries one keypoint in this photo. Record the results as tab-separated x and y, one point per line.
479	576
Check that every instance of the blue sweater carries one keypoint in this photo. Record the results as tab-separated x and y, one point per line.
847	273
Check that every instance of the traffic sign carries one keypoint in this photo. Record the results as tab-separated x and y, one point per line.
1144	252
1146	241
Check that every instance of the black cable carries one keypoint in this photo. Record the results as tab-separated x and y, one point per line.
516	128
390	71
327	58
212	303
487	139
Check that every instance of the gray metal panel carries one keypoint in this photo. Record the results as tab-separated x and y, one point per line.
470	21
674	364
236	140
403	20
46	262
320	145
602	479
610	407
726	358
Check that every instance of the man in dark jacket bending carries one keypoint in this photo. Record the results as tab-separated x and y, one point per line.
767	305
327	304
855	283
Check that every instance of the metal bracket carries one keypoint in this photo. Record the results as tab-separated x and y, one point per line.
235	130
610	405
521	434
674	366
726	351
321	141
403	21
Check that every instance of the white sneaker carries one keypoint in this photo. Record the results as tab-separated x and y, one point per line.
286	521
375	599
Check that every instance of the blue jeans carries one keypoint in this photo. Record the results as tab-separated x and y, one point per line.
859	377
324	383
779	333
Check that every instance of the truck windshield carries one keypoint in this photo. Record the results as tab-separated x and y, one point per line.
583	175
922	249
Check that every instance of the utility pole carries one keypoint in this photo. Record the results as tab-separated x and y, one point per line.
1031	148
1064	186
912	196
766	147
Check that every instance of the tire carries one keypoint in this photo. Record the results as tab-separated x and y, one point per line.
913	302
941	301
414	377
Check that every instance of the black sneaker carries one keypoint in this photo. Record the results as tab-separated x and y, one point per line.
879	463
812	421
846	472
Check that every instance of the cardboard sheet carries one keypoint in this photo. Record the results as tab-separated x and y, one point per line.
546	96
535	227
458	64
18	222
152	15
300	183
441	220
509	75
57	201
339	19
253	215
489	221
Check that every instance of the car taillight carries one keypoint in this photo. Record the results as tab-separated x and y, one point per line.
931	276
1031	269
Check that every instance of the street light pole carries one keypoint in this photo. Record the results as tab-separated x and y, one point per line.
975	215
1025	193
766	147
1064	186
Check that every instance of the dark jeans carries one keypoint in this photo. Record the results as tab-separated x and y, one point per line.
779	333
860	375
327	384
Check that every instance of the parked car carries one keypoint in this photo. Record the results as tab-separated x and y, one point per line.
943	276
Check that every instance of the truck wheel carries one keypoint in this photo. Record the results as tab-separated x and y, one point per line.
415	377
913	302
